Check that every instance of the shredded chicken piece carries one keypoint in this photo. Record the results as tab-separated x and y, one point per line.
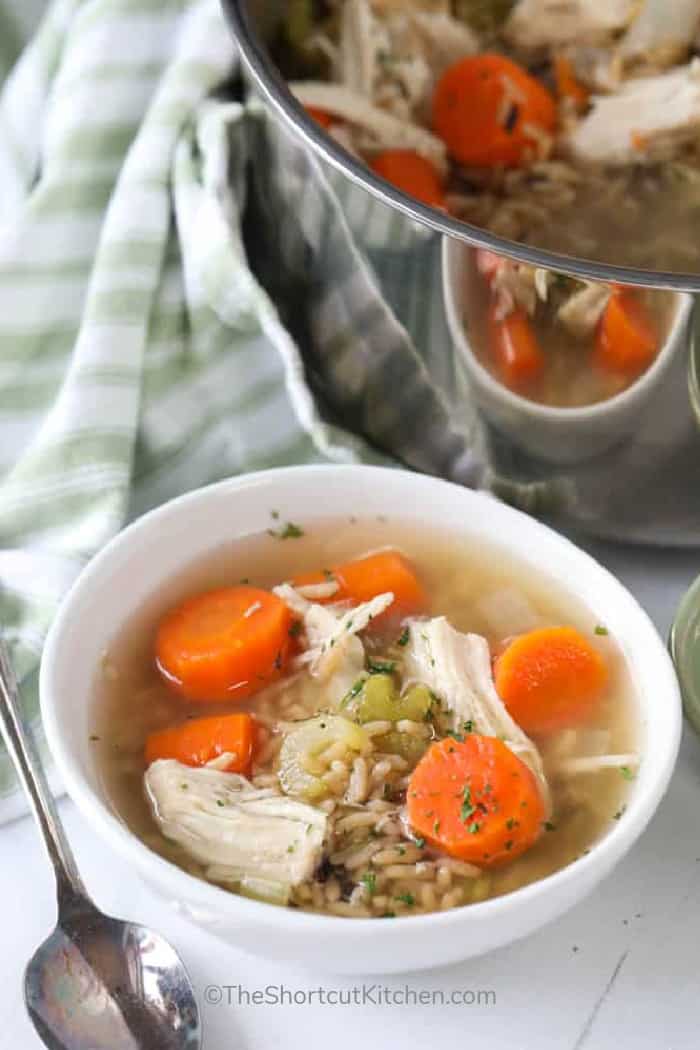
648	120
594	763
457	668
536	24
334	653
516	284
221	819
446	39
601	69
661	34
358	50
393	54
583	309
386	130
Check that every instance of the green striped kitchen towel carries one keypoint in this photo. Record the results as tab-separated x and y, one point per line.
139	356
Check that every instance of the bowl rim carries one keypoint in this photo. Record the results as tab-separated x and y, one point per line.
274	89
626	398
603	854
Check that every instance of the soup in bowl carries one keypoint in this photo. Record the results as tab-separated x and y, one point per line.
296	723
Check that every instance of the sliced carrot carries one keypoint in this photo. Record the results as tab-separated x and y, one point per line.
627	341
516	352
490	112
475	800
361	580
551	679
198	741
413	174
568	84
225	644
326	120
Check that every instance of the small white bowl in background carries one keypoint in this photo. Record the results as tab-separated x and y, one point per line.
554	435
138	562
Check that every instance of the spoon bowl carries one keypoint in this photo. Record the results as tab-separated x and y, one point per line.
96	983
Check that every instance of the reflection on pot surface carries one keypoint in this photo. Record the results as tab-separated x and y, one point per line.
558	341
564	368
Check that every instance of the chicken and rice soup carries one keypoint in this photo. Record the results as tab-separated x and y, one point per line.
573	125
361	719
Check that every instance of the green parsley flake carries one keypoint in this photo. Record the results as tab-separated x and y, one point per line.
381	666
405	637
369	881
626	773
289	532
602	631
406	898
474	828
468	807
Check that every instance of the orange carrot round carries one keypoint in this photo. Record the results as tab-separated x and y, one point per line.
363	579
198	741
490	112
225	644
413	174
627	341
551	679
475	800
516	352
321	117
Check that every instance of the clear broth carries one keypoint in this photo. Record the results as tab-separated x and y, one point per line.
133	700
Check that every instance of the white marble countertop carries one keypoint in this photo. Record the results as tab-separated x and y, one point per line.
618	971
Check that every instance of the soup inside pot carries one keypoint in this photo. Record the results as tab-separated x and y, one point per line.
572	127
363	741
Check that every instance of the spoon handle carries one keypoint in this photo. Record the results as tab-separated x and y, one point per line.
24	755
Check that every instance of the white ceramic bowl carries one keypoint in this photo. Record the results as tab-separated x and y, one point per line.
555	435
136	564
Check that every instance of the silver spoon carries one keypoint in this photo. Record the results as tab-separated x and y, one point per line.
96	983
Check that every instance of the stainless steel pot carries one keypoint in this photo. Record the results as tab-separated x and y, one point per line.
629	468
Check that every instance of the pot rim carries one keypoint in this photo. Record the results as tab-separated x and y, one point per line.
274	89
